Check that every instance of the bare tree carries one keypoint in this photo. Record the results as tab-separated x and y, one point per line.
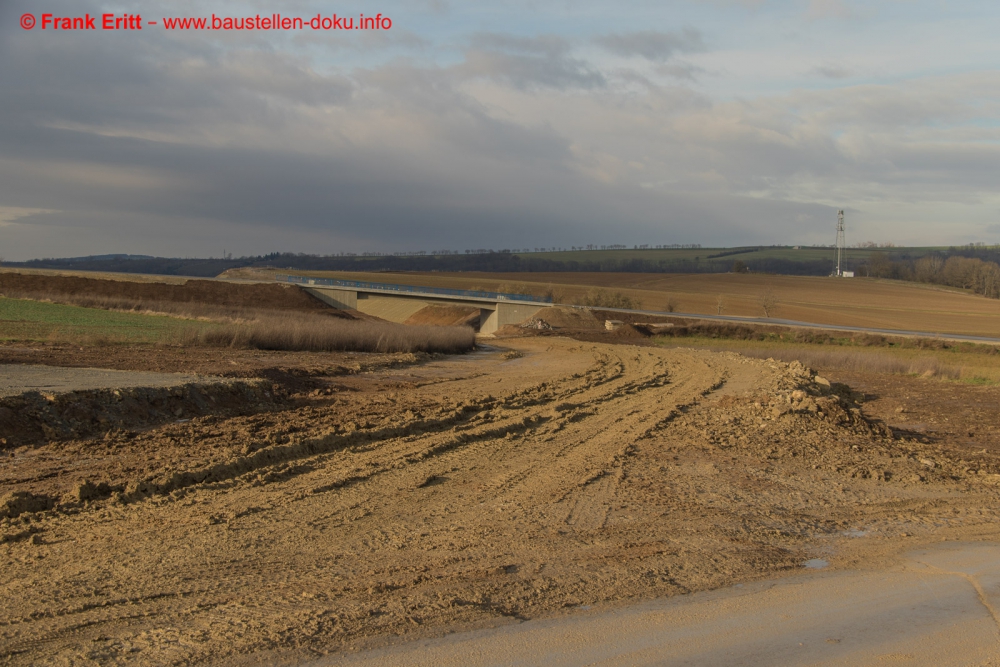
671	305
768	301
719	304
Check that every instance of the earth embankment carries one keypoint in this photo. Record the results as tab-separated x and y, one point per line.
200	294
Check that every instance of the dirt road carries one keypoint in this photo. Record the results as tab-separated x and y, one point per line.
459	493
936	608
18	378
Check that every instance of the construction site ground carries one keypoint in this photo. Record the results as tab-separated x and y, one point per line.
304	505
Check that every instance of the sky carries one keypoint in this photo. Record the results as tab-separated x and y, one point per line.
498	125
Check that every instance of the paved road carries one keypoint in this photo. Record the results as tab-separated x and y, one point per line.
810	325
938	607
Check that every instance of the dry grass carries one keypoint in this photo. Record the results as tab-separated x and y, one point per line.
314	333
861	361
972	364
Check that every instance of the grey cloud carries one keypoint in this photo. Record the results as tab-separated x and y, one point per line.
527	62
680	71
546	45
651	45
163	88
831	72
526	71
173	144
369	41
429	99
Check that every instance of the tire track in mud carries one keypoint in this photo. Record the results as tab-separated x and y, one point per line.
576	474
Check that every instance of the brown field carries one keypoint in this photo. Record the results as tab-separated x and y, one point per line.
860	302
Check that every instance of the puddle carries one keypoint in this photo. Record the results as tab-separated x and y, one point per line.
815	564
855	533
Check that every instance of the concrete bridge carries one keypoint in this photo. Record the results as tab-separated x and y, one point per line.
397	303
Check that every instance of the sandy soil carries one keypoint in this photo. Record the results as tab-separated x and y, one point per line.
462	492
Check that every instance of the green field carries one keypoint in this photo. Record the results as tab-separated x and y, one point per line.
21	319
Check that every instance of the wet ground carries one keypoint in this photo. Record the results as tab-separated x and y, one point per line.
935	607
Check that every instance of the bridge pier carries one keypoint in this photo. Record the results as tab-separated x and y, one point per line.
341	299
505	313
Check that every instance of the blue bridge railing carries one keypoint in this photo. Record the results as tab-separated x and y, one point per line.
411	289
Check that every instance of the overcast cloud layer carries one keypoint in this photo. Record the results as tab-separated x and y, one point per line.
500	125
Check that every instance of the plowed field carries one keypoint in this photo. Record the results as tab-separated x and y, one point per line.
460	492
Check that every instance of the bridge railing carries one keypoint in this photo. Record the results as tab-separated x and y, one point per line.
411	289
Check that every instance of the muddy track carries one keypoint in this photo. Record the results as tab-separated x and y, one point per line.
464	492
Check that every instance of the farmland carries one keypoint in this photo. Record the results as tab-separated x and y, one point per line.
859	302
27	320
726	256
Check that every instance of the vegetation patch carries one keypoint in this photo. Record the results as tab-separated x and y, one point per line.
23	319
958	361
320	334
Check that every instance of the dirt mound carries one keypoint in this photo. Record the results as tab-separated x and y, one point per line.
446	316
34	418
16	503
535	323
263	296
630	318
628	332
564	317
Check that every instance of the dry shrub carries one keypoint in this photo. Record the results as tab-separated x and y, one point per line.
862	362
601	298
326	334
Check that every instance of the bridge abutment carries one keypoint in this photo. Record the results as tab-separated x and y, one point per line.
399	307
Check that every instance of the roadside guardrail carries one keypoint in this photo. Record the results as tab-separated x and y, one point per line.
410	289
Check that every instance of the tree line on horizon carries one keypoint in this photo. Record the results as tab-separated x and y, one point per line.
981	276
973	267
495	262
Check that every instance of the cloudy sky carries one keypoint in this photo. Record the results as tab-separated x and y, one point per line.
500	124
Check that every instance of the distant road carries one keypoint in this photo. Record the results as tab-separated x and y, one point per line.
808	325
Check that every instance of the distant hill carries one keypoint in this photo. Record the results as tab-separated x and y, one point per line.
788	260
98	258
